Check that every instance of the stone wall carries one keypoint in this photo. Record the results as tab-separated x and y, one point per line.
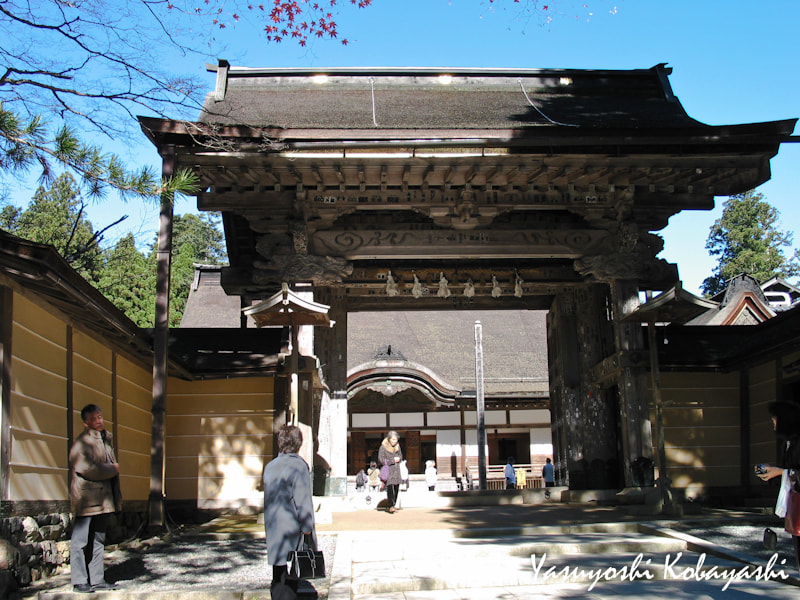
34	548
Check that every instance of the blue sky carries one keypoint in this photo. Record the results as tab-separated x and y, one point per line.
734	62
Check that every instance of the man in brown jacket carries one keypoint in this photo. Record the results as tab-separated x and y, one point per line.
94	493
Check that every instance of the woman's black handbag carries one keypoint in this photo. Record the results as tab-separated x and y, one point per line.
770	539
305	563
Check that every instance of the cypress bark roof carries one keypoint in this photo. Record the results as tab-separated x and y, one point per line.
514	346
406	98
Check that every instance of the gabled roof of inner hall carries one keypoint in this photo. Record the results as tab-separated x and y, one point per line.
514	346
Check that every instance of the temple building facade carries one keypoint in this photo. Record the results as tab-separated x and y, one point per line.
415	372
433	189
411	203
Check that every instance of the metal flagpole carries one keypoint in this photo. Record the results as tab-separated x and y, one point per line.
479	400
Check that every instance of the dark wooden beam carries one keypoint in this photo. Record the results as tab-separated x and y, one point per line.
6	328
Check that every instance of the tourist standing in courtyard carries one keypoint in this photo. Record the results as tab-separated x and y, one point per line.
288	509
94	493
374	477
548	474
390	455
786	422
430	475
511	476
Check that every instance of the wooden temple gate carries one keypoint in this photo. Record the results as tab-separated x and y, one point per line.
411	189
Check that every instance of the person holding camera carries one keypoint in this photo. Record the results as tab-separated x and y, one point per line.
786	422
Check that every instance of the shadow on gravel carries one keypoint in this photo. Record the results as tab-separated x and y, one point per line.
221	564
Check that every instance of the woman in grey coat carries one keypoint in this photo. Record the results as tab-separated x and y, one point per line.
391	455
288	509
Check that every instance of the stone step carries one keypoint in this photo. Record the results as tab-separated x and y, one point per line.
374	579
306	593
518	546
598	543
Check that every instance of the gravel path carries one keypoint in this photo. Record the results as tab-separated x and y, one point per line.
224	564
186	561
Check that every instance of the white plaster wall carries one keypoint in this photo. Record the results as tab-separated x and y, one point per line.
369	420
530	416
401	420
495	417
448	443
541	442
440	419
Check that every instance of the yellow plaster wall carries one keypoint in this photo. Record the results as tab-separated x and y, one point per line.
39	468
763	382
701	429
134	427
218	437
38	456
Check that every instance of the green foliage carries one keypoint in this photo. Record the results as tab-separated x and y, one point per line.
56	216
128	280
202	231
747	240
195	240
25	144
124	274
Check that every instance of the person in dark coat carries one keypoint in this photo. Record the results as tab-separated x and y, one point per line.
391	455
94	493
786	422
288	509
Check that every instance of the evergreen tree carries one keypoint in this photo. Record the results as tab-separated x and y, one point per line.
56	216
128	280
202	231
747	240
196	239
122	273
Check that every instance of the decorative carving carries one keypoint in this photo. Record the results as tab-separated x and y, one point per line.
417	290
518	286
635	258
628	237
481	243
444	291
391	287
388	389
299	238
496	289
608	267
320	270
266	244
469	289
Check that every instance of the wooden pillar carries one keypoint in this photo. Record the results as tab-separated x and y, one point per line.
69	388
637	438
600	421
358	452
413	454
330	345
566	414
584	418
160	341
6	327
661	454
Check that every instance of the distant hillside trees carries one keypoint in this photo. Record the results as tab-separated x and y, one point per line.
124	274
